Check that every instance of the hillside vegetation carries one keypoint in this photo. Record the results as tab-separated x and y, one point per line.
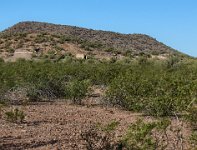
156	88
132	93
151	86
44	40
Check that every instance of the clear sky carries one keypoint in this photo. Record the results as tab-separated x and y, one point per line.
173	22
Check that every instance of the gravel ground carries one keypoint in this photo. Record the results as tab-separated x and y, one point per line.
56	126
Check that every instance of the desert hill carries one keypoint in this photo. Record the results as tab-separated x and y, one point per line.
55	41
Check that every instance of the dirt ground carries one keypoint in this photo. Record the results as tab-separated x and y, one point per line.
57	126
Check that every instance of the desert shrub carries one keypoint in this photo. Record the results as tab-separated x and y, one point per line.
40	73
172	97
113	60
99	137
15	116
152	90
11	50
1	109
41	38
156	53
160	106
1	41
127	53
143	60
172	61
95	45
139	136
1	60
8	44
20	44
193	140
64	38
129	90
191	117
110	127
18	36
33	94
153	135
51	52
48	89
89	46
110	49
58	48
77	90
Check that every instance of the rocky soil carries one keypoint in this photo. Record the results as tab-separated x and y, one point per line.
59	125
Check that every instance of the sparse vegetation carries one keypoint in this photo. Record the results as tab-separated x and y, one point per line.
101	137
152	88
161	89
1	110
191	117
15	116
153	136
139	136
89	40
193	140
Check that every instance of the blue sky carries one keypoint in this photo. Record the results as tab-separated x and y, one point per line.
173	22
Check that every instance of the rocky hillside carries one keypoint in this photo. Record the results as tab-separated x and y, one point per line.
51	39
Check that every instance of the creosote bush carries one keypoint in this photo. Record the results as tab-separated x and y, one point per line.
139	136
77	90
191	117
154	89
159	87
101	137
193	140
153	136
15	116
1	110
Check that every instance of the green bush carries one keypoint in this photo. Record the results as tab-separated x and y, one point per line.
193	140
15	116
172	61
109	127
191	117
139	136
110	49
154	90
41	38
101	137
77	90
151	87
1	109
1	60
